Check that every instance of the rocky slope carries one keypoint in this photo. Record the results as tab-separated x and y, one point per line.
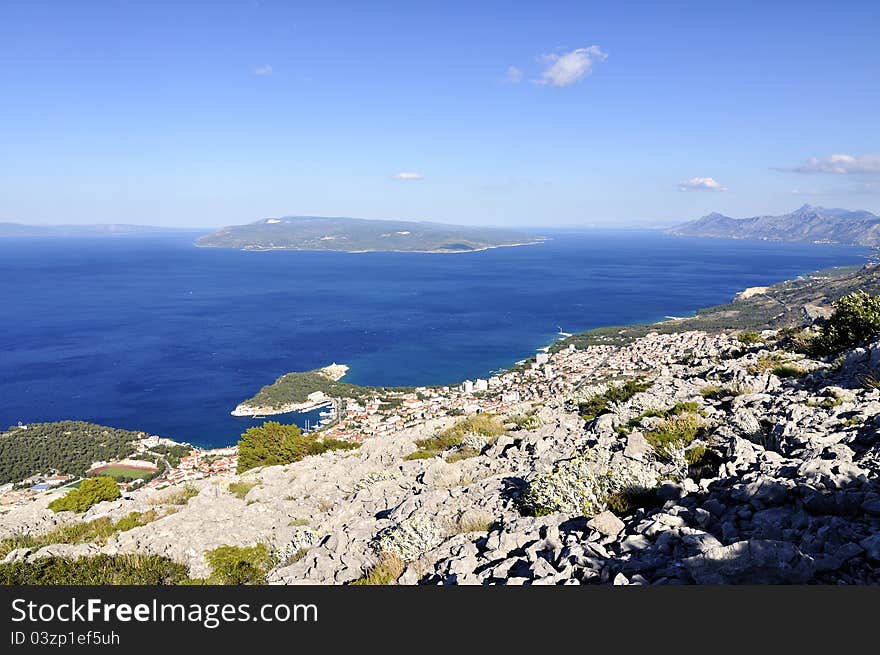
788	493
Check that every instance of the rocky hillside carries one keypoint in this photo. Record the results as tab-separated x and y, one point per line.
748	464
807	223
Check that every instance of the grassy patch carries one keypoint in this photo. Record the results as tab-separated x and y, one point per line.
486	425
241	489
474	524
777	365
676	410
295	523
675	432
389	568
98	530
788	371
459	454
122	569
421	453
525	421
629	500
177	496
713	392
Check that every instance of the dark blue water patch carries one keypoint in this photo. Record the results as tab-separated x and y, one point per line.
152	333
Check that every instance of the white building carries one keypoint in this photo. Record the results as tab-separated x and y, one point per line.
467	386
481	385
510	397
542	358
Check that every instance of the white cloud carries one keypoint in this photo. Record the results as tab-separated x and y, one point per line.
565	70
408	176
806	192
838	165
263	70
513	75
700	184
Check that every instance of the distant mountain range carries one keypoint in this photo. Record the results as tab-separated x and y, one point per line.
361	235
808	223
111	229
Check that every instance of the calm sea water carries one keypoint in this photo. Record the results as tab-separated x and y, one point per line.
152	333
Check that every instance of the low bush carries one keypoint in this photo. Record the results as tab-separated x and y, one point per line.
788	371
273	443
239	565
713	392
90	492
855	319
626	501
749	338
601	403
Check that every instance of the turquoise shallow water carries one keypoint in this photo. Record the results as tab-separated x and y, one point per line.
152	333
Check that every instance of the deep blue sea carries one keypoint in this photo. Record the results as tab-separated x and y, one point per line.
152	333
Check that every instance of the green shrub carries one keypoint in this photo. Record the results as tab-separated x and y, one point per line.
694	455
239	565
97	570
90	492
601	403
856	318
749	338
273	443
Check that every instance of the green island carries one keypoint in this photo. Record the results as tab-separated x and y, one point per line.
362	235
294	389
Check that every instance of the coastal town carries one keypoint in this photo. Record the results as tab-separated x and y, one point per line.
546	376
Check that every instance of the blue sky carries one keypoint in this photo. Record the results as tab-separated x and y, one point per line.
540	114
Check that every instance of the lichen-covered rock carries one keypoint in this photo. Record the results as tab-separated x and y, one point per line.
582	485
410	538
